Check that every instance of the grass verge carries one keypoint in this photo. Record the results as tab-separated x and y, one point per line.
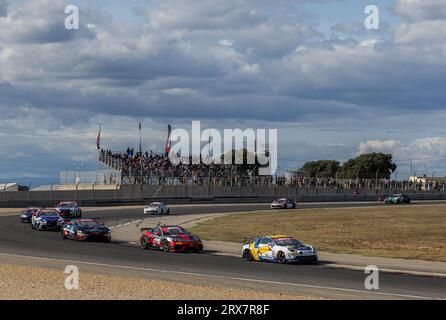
411	232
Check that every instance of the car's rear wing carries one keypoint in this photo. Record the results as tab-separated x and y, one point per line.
247	240
144	229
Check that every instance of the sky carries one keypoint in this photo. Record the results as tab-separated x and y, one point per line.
310	69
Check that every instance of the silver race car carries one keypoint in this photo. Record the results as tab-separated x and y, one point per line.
156	208
283	203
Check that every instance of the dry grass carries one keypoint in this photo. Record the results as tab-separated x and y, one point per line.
23	283
412	232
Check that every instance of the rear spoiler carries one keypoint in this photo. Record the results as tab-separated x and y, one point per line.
144	229
247	240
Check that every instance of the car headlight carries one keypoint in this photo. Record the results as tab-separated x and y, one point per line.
43	221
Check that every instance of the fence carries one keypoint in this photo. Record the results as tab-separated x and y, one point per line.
90	177
137	194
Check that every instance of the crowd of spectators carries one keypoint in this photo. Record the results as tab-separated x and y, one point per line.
149	166
155	168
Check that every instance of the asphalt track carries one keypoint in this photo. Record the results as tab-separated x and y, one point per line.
20	240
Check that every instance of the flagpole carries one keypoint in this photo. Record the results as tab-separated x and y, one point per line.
140	152
98	141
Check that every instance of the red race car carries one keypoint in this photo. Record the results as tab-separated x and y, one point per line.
170	239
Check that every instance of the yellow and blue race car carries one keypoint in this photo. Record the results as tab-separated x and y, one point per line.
279	249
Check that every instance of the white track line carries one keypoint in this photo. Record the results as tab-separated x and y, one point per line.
224	277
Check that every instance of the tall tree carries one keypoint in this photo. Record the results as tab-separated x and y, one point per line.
321	168
368	165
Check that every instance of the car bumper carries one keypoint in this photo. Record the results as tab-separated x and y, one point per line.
304	258
151	211
186	246
94	237
276	206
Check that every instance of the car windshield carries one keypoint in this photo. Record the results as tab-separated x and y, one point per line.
67	204
154	204
173	230
287	242
32	210
87	223
281	200
50	214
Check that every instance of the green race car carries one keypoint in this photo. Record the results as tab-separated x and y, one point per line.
397	199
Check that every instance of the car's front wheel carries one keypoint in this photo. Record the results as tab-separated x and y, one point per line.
281	257
247	255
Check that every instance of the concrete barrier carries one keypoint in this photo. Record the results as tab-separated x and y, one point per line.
138	195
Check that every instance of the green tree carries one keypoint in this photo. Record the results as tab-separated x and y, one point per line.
321	168
367	165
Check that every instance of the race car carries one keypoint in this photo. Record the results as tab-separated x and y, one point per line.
47	219
170	239
397	199
279	249
26	214
156	208
283	203
86	229
69	209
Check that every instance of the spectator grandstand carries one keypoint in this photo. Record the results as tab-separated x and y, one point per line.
157	169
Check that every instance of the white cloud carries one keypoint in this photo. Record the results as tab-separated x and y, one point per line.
421	9
424	152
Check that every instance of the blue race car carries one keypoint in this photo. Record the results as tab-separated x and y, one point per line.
47	219
27	214
69	209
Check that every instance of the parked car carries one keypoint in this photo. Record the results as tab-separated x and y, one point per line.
170	239
279	249
86	229
69	209
26	214
156	208
397	199
283	203
47	219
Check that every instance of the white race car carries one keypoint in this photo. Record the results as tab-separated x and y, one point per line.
156	208
283	203
280	249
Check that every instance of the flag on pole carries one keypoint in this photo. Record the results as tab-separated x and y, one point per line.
210	151
98	139
168	142
140	140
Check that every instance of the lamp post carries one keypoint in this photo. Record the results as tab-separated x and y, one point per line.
78	165
396	178
376	179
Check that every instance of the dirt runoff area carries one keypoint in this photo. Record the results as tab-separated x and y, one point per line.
30	283
406	231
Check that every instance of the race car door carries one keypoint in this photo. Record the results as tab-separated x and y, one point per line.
156	237
265	249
